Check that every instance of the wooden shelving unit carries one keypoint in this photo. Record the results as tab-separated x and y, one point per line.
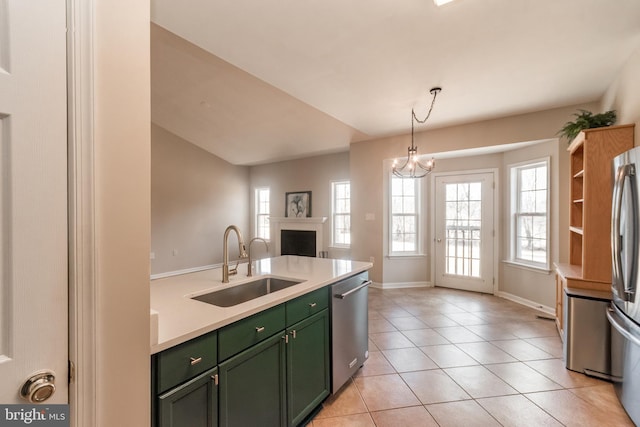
589	267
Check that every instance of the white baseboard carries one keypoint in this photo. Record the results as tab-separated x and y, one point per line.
185	271
401	285
523	301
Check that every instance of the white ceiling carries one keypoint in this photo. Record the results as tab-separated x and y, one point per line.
254	81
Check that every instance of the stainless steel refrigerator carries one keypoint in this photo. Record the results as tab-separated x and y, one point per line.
624	312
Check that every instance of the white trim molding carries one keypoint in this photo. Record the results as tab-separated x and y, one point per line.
528	303
83	292
402	285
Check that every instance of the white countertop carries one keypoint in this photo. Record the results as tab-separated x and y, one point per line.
180	318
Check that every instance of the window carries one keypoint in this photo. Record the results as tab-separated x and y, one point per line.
262	213
341	212
403	227
530	211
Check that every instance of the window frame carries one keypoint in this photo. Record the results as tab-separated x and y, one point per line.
335	214
258	214
515	175
417	215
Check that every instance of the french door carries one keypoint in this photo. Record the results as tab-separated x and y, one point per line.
465	231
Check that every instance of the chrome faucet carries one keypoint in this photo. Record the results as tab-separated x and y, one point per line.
266	245
225	253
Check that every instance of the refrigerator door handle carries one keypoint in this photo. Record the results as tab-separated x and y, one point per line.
612	316
622	173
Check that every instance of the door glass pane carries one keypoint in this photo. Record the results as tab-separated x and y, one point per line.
463	228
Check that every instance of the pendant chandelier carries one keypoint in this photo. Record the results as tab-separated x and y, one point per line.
412	167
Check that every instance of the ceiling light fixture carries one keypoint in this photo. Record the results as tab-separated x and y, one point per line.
412	167
441	2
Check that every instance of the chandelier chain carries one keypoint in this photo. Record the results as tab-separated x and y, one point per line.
435	91
412	167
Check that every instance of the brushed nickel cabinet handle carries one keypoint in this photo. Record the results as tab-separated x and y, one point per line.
259	329
195	361
313	304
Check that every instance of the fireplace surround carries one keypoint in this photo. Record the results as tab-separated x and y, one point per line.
297	233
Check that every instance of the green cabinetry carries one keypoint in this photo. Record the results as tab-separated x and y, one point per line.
252	386
269	369
308	369
184	390
193	404
244	333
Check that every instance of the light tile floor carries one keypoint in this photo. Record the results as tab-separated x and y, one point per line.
441	357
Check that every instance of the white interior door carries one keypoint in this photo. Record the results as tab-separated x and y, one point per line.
464	232
33	197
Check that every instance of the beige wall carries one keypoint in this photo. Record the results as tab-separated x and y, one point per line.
535	285
624	94
195	195
367	174
418	270
121	116
368	178
313	174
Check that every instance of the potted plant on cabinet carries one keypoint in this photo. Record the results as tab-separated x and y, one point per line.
586	120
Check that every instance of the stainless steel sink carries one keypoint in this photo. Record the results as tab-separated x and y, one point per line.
246	291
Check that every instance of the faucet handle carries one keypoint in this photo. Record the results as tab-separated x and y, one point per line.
234	270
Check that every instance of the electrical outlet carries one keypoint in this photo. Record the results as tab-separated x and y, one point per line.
372	260
174	252
152	255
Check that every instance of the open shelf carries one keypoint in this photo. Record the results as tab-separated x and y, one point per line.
589	264
591	154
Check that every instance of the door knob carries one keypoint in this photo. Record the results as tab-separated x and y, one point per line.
438	240
39	387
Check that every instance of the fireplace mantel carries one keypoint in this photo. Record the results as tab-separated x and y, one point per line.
310	220
307	224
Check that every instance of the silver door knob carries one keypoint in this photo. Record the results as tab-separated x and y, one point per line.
39	387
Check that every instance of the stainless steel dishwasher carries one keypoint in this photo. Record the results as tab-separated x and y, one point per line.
349	328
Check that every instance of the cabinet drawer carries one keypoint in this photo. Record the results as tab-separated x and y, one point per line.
307	305
244	333
187	360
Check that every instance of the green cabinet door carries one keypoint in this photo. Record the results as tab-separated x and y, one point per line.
193	404
253	386
308	368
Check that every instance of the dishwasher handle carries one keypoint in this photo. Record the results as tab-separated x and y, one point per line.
351	291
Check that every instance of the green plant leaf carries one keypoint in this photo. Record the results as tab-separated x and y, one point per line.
586	120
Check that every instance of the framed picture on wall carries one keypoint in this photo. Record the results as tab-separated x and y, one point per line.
297	204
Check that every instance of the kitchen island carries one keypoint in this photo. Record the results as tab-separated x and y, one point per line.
210	364
180	318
